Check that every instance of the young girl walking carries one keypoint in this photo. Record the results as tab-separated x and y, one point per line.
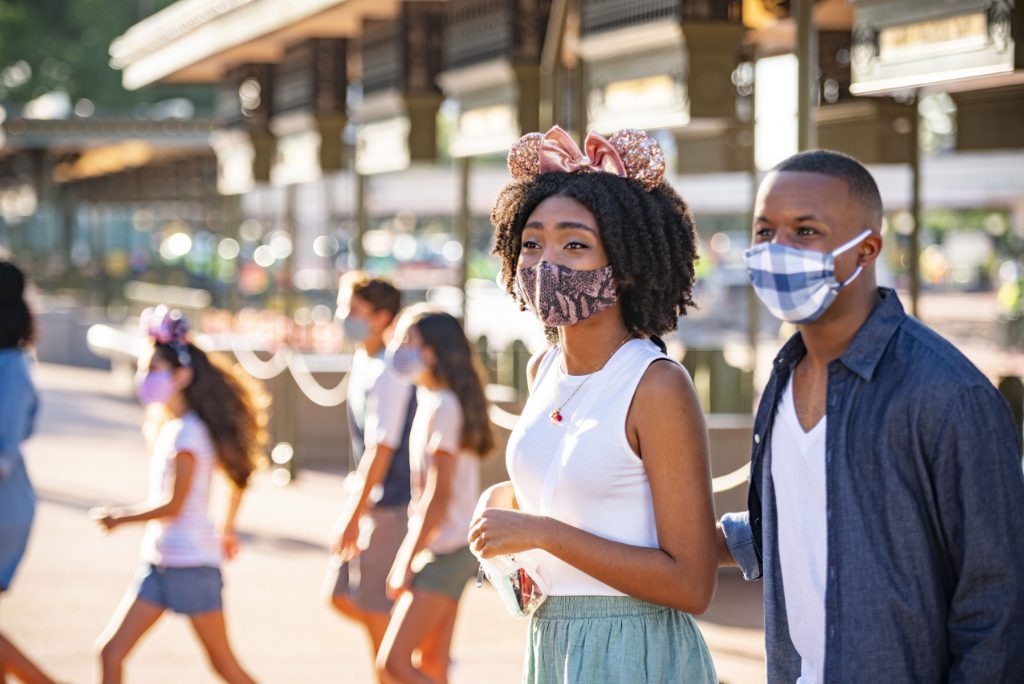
609	507
201	416
450	433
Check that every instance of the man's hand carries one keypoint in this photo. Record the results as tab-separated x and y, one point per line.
346	546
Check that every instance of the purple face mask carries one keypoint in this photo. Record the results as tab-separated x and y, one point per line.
155	387
561	296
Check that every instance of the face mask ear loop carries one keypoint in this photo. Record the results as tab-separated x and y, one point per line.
851	278
852	243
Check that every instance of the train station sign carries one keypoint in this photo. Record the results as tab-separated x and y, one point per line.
909	44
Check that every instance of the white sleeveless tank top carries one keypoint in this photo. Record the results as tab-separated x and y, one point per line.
583	471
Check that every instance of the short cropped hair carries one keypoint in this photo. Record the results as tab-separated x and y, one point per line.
858	179
379	292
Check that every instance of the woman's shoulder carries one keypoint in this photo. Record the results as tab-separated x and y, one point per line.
190	433
446	400
665	387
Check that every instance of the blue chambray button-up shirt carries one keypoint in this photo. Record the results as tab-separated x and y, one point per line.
925	506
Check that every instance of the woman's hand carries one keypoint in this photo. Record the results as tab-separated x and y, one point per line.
399	579
500	531
229	544
105	517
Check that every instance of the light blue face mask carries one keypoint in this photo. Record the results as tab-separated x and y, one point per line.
407	361
356	329
797	285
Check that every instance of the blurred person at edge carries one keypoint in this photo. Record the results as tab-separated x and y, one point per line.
380	407
886	502
18	408
451	432
202	417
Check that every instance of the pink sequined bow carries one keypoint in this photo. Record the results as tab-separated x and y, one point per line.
558	152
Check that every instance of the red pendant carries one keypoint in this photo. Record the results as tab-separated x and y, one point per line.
556	417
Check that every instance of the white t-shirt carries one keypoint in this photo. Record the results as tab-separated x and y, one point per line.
379	398
189	538
438	427
798	476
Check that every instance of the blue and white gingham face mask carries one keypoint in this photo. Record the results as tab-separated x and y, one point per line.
797	285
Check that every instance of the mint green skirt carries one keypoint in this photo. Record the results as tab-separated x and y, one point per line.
614	640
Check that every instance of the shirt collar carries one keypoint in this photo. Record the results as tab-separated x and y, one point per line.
868	345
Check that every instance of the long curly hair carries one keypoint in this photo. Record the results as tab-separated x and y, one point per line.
231	404
459	370
649	237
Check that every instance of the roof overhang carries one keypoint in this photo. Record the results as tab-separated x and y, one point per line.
197	41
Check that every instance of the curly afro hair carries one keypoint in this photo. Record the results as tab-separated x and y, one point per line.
649	238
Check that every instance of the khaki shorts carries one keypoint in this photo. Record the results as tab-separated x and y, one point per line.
447	573
363	580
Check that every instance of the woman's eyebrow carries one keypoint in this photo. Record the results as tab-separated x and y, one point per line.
562	225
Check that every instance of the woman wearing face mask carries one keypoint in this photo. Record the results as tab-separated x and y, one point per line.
18	407
202	416
609	507
450	433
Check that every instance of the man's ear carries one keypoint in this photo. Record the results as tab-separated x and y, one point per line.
869	249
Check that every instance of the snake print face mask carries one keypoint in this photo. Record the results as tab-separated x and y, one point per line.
561	296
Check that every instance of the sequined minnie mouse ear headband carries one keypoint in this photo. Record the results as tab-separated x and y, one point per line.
629	153
168	327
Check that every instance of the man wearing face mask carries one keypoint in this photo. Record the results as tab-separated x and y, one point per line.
886	502
380	405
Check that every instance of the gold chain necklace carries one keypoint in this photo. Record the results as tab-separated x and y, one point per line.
556	414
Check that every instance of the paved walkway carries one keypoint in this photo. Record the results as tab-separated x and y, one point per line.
89	449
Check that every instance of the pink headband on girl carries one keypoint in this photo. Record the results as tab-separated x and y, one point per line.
629	153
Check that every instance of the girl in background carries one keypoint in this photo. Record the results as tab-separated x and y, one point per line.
18	405
201	414
450	433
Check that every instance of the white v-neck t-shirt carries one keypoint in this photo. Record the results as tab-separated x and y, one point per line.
798	477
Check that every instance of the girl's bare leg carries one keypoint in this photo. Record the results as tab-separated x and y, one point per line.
132	619
213	633
417	615
16	663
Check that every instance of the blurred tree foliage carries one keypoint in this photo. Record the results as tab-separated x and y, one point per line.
61	45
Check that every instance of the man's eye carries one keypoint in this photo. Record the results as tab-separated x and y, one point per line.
806	231
763	232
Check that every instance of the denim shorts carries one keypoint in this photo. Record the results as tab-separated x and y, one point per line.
189	591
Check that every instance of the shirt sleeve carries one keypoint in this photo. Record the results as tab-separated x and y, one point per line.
739	537
193	438
446	427
980	497
386	410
